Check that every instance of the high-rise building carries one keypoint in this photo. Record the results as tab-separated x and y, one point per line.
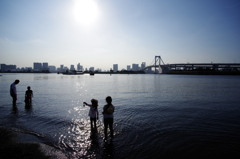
5	67
143	65
72	67
135	67
37	66
115	67
128	67
45	66
79	67
61	68
91	69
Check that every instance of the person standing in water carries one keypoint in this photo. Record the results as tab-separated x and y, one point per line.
93	112
28	95
13	91
108	110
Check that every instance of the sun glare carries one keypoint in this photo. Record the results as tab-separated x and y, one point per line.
85	11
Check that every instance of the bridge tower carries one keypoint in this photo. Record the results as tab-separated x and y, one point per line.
157	63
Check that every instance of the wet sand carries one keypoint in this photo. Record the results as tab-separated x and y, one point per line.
12	145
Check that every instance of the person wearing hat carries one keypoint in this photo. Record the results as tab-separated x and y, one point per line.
93	112
13	91
108	110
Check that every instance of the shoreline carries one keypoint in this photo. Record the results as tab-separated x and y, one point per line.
180	72
203	73
12	147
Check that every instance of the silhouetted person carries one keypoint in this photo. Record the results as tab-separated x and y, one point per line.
93	112
28	95
13	91
108	110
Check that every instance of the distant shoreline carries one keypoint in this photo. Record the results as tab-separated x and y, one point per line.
204	72
179	72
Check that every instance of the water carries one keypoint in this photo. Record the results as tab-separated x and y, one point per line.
156	116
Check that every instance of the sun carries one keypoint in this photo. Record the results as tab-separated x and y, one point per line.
85	11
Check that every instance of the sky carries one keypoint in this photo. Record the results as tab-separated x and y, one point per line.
100	33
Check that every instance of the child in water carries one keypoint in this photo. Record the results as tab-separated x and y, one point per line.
108	111
93	112
28	95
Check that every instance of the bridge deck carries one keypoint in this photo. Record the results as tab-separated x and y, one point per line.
211	65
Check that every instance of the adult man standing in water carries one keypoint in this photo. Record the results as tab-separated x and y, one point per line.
13	91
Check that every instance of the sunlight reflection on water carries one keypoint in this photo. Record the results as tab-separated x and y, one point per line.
155	114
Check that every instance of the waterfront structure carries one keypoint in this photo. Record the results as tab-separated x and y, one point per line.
52	68
128	67
115	67
165	68
61	68
5	67
45	66
79	67
98	70
135	67
91	69
27	69
143	65
37	66
72	67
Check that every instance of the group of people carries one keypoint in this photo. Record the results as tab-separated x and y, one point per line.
13	93
107	112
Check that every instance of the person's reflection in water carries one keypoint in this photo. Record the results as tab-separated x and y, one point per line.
28	107
108	150
14	109
94	137
94	149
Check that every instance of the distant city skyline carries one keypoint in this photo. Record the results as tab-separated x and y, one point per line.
62	67
101	33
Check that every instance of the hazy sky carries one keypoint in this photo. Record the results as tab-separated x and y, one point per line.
101	33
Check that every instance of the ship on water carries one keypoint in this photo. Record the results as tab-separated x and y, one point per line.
74	72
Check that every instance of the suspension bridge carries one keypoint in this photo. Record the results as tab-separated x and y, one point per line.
160	67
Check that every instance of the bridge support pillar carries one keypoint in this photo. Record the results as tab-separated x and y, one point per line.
157	59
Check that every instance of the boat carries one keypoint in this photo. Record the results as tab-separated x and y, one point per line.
73	73
91	73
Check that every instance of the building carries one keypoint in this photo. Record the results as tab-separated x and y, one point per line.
52	68
29	69
115	67
45	66
98	70
135	67
5	67
61	68
37	66
91	69
72	67
143	65
65	69
79	67
128	67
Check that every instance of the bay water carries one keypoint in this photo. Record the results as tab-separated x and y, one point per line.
156	116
